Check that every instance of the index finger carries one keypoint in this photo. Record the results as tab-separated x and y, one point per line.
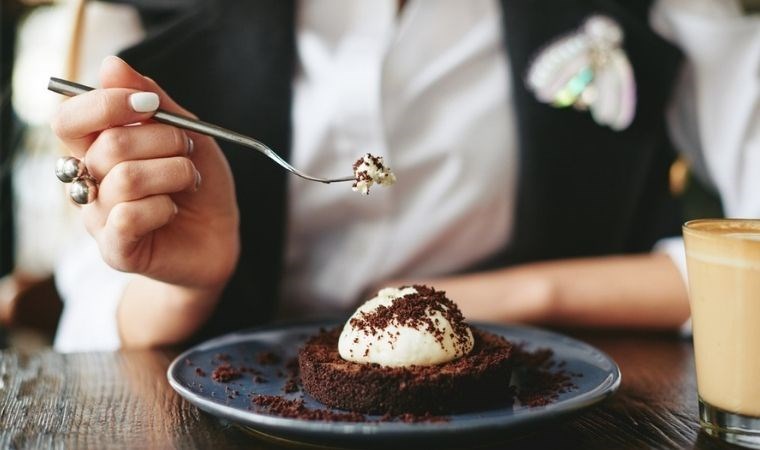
80	118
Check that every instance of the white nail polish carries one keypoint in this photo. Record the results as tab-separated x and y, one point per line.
197	180
176	208
143	102
190	146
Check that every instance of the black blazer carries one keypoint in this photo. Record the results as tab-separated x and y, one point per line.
583	189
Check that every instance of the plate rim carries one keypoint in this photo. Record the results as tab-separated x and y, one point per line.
271	423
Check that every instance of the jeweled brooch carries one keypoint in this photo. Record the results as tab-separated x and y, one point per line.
589	70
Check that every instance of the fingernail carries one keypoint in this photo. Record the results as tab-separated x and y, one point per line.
197	180
190	146
113	58
143	102
176	209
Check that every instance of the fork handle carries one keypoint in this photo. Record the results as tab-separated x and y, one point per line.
70	89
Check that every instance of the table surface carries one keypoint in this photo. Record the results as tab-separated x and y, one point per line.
122	400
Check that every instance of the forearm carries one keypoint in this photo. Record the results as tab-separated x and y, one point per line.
644	291
152	313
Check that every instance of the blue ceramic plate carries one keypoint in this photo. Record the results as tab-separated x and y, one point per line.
600	378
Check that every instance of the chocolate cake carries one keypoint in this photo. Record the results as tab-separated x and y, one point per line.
475	381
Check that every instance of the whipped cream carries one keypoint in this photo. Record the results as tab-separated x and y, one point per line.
404	327
369	170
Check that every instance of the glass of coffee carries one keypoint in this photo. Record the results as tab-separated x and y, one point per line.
723	262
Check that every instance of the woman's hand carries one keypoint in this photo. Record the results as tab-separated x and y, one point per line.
166	206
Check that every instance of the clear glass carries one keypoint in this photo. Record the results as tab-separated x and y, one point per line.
723	263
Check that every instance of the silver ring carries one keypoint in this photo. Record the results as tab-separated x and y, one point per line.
68	169
83	188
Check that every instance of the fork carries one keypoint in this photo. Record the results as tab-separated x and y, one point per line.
69	88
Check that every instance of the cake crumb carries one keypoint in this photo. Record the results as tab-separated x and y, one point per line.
291	386
544	378
224	373
297	409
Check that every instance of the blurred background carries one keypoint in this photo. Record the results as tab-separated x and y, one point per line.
40	39
69	38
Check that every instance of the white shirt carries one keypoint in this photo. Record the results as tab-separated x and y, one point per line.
429	90
421	89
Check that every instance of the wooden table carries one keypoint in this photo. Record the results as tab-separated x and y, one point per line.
122	400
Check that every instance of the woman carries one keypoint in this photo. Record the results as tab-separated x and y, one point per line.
491	181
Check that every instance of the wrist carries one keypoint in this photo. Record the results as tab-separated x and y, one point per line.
153	313
528	294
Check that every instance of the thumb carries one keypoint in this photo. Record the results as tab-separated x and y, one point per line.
116	73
